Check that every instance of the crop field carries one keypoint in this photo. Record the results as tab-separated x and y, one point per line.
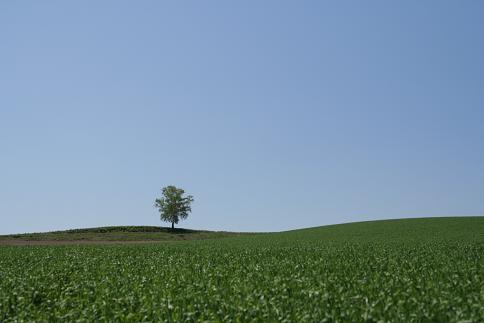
396	270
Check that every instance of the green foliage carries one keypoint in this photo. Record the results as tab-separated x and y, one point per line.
375	271
173	206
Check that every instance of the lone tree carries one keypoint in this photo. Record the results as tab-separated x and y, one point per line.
173	206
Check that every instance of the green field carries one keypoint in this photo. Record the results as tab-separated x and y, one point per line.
400	270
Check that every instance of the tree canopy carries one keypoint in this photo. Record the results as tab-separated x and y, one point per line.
173	206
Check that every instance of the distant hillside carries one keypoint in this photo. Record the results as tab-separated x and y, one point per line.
118	233
414	229
404	230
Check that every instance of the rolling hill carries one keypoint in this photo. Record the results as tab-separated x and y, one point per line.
400	229
115	234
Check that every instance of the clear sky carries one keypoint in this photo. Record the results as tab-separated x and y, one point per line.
275	115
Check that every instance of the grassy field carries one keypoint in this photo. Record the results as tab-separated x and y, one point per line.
124	233
402	270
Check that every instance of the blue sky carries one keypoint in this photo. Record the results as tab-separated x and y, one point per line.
275	115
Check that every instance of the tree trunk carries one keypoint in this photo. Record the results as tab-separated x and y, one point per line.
173	225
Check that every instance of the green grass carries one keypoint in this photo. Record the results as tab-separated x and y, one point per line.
429	270
120	233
